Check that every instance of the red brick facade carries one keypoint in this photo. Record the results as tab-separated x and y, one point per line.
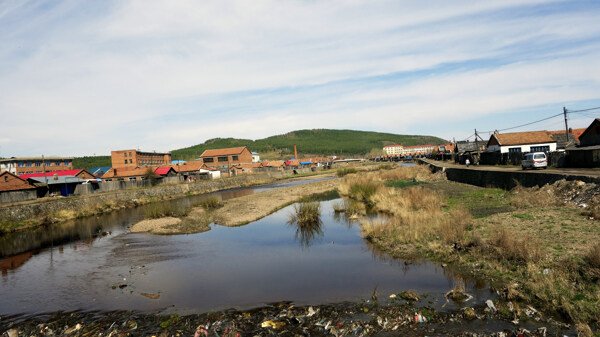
29	165
227	158
134	158
10	182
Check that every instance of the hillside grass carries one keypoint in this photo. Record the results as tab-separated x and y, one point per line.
317	142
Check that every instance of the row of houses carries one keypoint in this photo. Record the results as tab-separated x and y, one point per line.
137	166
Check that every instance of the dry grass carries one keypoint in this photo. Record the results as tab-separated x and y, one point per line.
593	256
521	248
521	197
211	203
306	214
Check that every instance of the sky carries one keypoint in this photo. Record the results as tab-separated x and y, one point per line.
86	77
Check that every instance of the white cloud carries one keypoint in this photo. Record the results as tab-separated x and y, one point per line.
115	68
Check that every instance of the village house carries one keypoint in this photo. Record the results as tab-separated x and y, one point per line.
135	158
587	154
226	159
14	189
255	157
81	174
521	142
29	165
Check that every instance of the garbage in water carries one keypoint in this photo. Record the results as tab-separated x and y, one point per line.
151	296
491	305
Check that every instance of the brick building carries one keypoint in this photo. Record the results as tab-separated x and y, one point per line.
135	158
13	188
226	159
29	165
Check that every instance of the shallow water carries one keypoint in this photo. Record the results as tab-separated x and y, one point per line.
242	267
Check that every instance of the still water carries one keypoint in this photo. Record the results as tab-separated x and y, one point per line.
239	267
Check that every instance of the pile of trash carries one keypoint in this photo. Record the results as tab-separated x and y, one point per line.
281	319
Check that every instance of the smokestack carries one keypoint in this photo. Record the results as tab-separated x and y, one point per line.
295	152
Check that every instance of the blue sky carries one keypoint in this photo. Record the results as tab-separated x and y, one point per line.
87	77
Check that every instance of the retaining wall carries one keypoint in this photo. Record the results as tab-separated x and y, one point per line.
105	202
17	196
505	179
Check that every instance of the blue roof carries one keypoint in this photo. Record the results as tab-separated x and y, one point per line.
255	153
305	162
178	161
101	169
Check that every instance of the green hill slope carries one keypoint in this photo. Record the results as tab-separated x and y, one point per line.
320	142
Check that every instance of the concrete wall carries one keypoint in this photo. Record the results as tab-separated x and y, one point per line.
506	179
105	202
17	196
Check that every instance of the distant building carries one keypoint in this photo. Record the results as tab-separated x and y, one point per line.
417	150
29	165
81	174
255	157
226	159
393	150
135	158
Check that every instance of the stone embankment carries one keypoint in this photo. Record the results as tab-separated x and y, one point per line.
59	209
505	179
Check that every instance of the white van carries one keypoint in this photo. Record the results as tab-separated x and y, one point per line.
534	160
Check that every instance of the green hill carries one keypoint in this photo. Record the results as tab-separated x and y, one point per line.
318	142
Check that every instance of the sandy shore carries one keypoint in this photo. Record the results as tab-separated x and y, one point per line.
235	212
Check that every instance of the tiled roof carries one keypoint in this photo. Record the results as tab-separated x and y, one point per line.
575	132
257	165
223	152
163	170
188	166
50	174
276	163
24	185
126	172
522	138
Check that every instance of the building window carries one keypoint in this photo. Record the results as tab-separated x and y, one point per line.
132	179
234	158
130	161
125	154
540	149
125	161
5	178
209	160
38	164
514	149
130	154
28	164
222	159
21	164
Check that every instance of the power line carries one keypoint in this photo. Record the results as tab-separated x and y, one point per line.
526	124
596	108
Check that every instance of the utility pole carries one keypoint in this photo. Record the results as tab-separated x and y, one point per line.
477	146
566	125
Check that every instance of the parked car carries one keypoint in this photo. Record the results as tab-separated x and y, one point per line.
534	160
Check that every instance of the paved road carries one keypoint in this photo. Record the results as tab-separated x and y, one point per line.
569	171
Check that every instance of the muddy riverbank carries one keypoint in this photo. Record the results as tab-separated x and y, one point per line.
234	212
368	318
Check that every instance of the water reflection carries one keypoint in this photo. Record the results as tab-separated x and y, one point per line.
307	232
90	228
14	262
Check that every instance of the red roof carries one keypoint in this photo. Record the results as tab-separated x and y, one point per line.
223	152
22	185
50	174
163	170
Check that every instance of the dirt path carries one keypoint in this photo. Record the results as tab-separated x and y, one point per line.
236	212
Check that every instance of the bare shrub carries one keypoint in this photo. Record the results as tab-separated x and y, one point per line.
523	248
593	256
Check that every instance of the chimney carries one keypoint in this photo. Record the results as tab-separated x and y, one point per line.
295	152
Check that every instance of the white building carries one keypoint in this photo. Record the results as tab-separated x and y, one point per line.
534	141
393	150
255	157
